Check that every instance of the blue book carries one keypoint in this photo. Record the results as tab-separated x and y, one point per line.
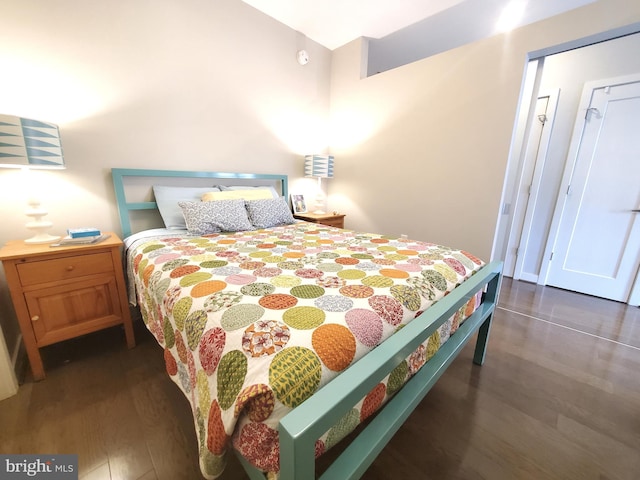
83	232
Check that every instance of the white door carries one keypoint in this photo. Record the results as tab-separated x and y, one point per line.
534	225
597	246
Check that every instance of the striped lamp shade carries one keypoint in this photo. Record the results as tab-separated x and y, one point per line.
320	166
29	143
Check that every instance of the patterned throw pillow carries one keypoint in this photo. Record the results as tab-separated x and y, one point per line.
213	217
167	198
269	213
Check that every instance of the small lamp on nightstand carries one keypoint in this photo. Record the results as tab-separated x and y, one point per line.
320	166
31	144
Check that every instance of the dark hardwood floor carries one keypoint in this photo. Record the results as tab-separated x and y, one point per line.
558	398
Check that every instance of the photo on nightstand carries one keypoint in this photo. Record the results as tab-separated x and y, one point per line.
298	203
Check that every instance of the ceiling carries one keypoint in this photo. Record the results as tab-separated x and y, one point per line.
333	23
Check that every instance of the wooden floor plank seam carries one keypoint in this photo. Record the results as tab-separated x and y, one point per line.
567	328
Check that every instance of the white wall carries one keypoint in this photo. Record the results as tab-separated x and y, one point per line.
155	83
168	84
423	149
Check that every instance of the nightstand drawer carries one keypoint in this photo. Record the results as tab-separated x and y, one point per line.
43	271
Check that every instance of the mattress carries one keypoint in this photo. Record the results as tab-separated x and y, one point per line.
253	323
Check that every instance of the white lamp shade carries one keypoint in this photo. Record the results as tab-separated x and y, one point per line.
320	166
29	143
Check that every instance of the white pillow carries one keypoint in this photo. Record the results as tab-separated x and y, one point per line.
213	217
269	213
167	198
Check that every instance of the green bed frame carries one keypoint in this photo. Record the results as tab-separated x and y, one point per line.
125	208
299	430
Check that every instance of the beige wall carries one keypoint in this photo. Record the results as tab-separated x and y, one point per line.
423	149
168	84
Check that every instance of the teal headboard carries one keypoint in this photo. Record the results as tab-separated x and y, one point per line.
125	207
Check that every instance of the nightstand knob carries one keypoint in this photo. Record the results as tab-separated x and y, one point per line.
35	318
70	268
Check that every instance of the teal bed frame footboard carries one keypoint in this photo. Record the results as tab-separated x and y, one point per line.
299	430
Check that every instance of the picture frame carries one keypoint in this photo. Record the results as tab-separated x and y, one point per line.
298	203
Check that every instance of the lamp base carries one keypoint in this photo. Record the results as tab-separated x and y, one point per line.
320	200
39	225
42	238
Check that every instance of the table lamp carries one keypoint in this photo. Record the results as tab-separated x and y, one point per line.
31	144
320	166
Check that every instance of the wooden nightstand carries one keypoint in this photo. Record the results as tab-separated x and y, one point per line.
64	292
329	219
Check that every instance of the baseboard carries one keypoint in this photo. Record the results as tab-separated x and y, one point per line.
16	350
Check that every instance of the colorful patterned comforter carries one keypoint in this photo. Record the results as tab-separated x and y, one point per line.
253	323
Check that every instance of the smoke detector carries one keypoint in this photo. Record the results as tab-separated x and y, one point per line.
303	57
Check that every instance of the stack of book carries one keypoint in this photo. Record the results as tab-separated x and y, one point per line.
77	236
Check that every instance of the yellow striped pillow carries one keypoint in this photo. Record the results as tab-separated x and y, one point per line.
249	194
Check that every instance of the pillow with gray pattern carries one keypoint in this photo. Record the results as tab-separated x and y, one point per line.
217	216
269	212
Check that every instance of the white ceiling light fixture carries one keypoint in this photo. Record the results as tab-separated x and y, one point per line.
511	16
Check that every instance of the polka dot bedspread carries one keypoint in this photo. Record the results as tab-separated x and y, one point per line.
253	323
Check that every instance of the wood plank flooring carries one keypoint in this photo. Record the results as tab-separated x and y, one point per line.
558	398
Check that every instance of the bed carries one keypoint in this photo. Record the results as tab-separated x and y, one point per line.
287	336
